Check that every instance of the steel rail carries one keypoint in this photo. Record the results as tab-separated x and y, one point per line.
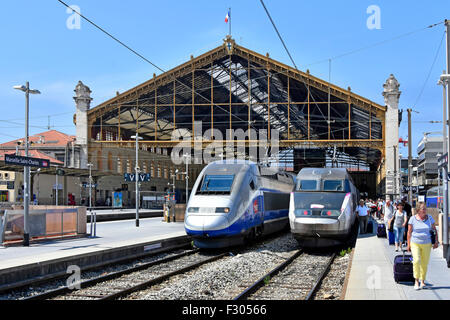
47	279
261	281
160	279
320	278
88	283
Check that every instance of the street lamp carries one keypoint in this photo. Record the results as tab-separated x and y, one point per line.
186	157
26	169
416	169
444	80
137	176
90	185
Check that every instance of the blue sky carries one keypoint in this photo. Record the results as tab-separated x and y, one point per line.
38	47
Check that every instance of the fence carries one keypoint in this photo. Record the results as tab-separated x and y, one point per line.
44	222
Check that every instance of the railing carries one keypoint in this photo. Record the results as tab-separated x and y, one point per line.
44	222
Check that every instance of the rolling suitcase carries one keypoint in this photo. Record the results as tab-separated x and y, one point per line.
391	237
381	231
403	268
370	227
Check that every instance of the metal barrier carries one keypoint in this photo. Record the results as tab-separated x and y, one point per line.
45	222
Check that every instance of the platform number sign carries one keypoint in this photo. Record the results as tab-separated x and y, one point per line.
131	177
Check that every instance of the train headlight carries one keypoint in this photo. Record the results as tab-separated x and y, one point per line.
193	209
302	212
222	210
330	213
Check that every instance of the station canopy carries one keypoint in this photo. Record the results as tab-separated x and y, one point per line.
234	87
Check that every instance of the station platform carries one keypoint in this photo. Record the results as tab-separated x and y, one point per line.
114	241
123	214
372	278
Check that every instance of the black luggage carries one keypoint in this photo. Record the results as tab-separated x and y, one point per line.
403	268
381	231
370	227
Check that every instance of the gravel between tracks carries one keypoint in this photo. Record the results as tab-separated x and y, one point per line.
332	285
225	278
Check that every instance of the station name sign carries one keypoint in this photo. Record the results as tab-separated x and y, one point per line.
26	161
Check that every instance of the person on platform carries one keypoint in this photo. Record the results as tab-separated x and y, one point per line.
388	212
422	236
363	215
399	222
408	210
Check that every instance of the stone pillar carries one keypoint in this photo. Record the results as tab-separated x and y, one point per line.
83	102
391	95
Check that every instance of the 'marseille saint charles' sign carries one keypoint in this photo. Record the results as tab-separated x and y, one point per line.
26	161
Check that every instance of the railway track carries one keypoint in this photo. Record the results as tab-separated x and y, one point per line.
118	284
297	278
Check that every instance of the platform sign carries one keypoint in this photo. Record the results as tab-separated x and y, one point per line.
131	177
26	161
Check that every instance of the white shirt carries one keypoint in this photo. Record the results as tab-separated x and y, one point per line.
388	212
362	211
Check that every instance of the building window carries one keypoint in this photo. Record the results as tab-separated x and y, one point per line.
99	161
4	196
159	170
110	162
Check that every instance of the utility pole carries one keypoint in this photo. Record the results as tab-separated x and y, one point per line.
90	185
409	157
395	173
137	176
445	216
26	169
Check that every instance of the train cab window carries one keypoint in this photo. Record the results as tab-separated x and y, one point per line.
307	185
332	185
217	183
252	184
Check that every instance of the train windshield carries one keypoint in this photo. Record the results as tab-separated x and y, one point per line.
333	185
317	202
217	183
307	185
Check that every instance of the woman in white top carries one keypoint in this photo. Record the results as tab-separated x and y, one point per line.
399	222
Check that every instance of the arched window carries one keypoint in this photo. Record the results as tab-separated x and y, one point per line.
110	162
99	161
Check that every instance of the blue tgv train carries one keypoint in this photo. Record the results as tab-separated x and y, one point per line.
237	200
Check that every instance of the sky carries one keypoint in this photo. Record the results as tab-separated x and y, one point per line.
39	47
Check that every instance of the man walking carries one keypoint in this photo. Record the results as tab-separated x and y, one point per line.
363	215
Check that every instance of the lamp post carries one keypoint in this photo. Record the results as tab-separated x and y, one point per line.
137	176
186	157
444	80
90	185
416	169
26	169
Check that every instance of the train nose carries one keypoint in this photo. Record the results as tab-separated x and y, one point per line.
206	223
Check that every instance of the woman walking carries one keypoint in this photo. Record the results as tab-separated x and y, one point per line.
399	222
422	236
